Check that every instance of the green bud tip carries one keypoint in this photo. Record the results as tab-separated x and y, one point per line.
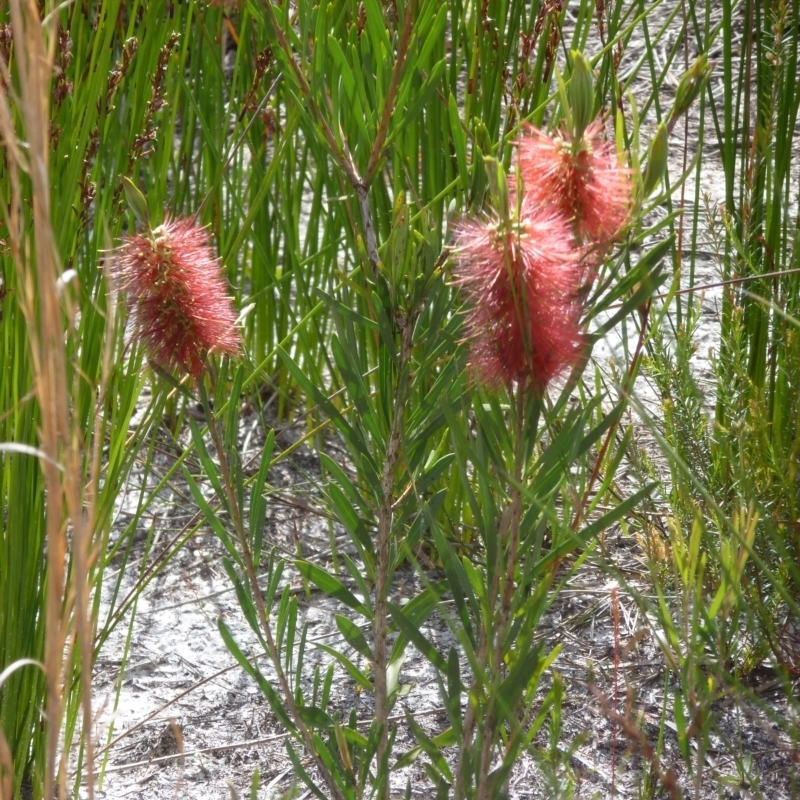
137	202
657	160
581	95
690	85
498	186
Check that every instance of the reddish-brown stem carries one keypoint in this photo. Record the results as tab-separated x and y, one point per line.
615	617
388	106
510	533
639	744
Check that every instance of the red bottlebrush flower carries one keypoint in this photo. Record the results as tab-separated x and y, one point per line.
177	295
583	179
521	281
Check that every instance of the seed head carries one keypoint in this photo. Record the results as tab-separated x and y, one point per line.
177	295
521	284
583	178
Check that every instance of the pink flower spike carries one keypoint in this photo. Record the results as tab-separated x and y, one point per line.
177	295
583	179
521	285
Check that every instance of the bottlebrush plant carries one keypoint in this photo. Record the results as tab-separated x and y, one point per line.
523	270
526	271
521	278
422	423
421	420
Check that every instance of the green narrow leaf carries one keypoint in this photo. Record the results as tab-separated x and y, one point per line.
300	771
209	467
232	416
385	328
417	638
649	286
434	472
331	586
417	611
346	360
352	670
354	637
431	748
258	504
291	629
263	684
351	435
356	573
420	101
594	528
393	678
433	36
245	600
326	686
344	483
519	677
274	580
376	25
363	113
453	695
346	312
457	580
211	518
351	521
315	717
344	68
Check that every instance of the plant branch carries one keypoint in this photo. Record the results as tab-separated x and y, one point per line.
644	312
382	577
255	590
388	106
509	532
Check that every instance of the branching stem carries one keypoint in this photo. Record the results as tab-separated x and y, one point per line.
508	546
255	590
382	568
644	313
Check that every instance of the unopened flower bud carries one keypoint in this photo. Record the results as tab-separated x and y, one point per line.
689	87
482	137
137	202
498	185
581	94
361	249
656	160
